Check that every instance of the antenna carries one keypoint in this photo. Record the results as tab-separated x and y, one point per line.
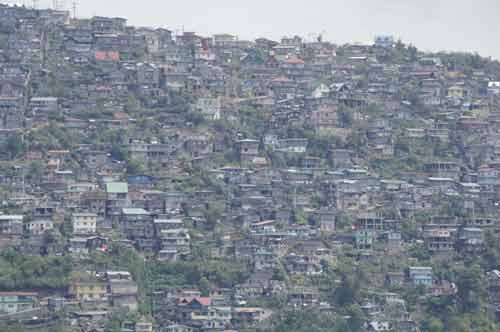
57	4
74	7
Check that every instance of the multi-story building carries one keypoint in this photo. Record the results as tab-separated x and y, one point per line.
84	223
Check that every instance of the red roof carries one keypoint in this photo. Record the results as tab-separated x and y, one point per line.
107	55
294	61
204	301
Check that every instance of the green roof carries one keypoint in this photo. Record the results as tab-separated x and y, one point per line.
117	188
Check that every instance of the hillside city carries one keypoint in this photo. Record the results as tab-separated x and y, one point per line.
161	181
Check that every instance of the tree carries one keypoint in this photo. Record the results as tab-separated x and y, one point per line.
12	327
347	292
213	214
135	167
303	321
413	52
35	172
204	286
400	46
341	325
195	118
14	146
471	288
19	272
356	318
118	152
432	324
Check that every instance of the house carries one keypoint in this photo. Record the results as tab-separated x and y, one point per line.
302	264
443	169
394	240
224	40
187	306
303	296
378	326
248	149
247	316
493	278
95	202
41	108
457	92
148	75
364	239
471	239
94	159
84	223
349	195
265	260
384	41
482	222
142	325
394	279
199	145
292	145
11	112
108	24
439	240
78	246
177	240
123	293
209	108
16	302
116	198
38	226
420	275
341	158
326	219
371	222
11	225
442	288
178	328
88	290
167	224
92	318
137	225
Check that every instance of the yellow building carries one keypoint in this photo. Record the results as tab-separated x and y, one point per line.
88	290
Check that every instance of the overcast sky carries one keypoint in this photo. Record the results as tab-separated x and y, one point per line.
462	25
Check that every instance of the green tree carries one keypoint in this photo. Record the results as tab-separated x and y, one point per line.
345	118
204	286
432	324
118	152
347	292
13	146
135	167
356	318
471	288
35	172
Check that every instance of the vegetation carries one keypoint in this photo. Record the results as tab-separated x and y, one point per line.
21	272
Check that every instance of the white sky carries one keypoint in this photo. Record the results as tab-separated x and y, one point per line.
460	25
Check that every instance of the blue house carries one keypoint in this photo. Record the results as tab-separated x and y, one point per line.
420	275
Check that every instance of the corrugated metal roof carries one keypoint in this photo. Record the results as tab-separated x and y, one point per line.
117	187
